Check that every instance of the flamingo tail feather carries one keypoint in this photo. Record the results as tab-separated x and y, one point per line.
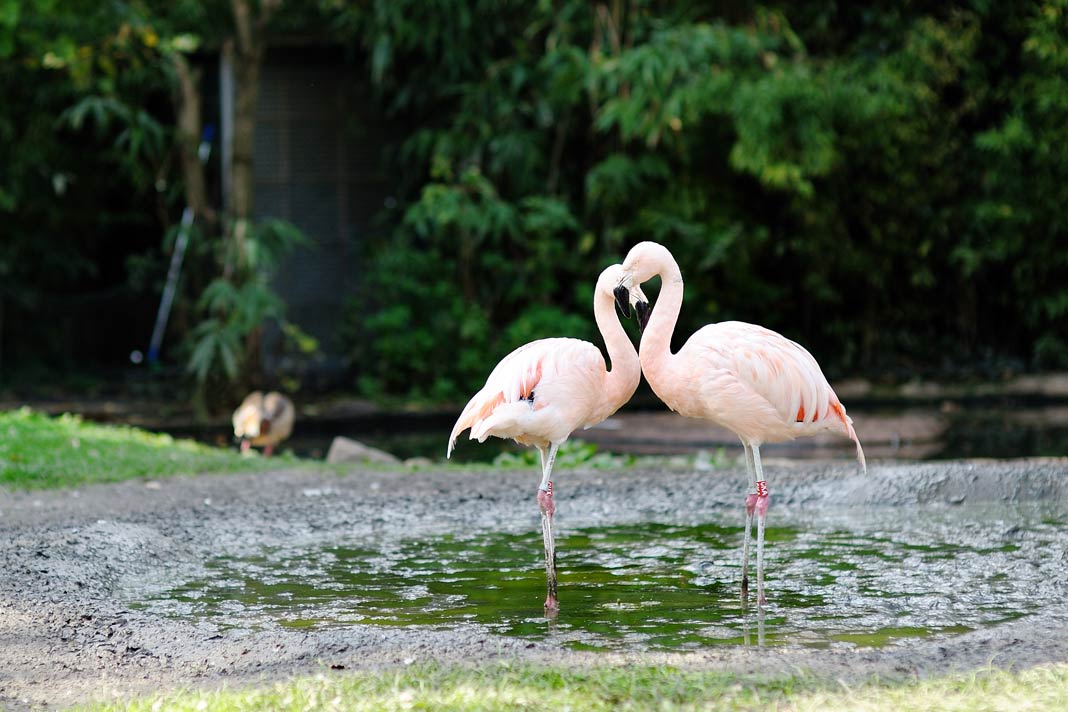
851	434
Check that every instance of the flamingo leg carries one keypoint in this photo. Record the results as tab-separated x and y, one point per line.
761	507
548	508
750	505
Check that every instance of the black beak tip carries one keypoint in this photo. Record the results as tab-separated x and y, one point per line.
623	300
643	311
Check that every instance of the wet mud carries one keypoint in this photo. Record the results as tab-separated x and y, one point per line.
123	589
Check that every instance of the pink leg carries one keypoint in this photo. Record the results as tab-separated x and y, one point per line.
762	500
548	509
761	507
268	450
545	501
750	504
245	445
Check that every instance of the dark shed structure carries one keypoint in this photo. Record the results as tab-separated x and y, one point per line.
318	163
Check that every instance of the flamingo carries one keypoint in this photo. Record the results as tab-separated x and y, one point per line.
755	382
545	390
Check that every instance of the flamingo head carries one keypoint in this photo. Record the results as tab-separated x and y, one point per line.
627	294
646	260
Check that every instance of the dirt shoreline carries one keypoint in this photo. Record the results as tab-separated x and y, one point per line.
70	561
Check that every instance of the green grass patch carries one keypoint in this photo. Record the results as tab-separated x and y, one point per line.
518	686
985	690
40	452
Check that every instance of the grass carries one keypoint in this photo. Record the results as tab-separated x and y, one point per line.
513	686
986	690
39	452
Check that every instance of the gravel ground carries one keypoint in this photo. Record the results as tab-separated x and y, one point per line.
73	562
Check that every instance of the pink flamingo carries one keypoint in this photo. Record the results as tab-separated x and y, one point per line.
756	383
545	390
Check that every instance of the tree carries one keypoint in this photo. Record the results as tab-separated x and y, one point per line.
112	62
881	182
59	202
855	177
237	304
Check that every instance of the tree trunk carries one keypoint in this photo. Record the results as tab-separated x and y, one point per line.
247	54
246	92
190	125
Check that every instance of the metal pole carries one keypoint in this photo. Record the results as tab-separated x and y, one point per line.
172	284
180	243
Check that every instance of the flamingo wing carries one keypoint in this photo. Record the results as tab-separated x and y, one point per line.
778	380
540	392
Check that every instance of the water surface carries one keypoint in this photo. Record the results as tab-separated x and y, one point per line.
835	578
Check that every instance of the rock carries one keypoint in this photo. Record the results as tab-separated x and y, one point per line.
349	450
417	463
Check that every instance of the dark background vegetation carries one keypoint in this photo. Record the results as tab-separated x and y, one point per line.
884	182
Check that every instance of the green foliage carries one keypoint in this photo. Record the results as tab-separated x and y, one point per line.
140	142
71	187
1018	225
89	160
236	308
881	184
220	340
39	452
9	20
573	453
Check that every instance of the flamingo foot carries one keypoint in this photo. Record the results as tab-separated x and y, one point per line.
545	501
245	445
552	605
268	450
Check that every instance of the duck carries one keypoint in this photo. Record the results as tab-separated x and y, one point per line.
263	420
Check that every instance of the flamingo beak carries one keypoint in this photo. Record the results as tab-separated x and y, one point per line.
643	310
622	300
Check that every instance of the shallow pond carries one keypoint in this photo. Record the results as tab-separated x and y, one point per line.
850	577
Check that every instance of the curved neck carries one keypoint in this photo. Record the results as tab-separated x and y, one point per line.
625	371
655	350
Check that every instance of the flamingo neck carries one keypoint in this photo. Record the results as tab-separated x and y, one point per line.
622	380
655	350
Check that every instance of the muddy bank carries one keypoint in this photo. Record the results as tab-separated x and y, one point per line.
76	566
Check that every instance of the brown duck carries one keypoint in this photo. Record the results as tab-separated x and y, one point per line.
263	420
